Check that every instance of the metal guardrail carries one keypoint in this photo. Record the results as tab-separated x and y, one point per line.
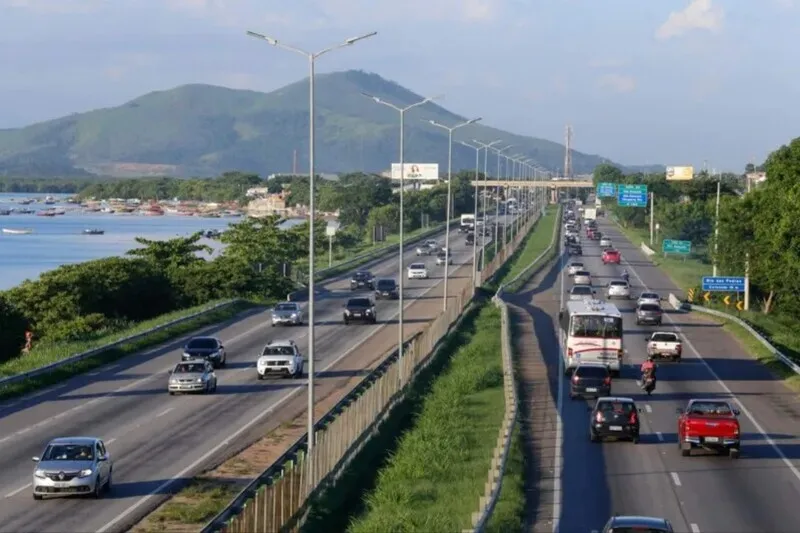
100	349
278	499
487	502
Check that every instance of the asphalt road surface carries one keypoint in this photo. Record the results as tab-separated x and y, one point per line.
154	438
702	493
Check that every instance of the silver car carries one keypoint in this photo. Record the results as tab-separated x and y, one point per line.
287	313
581	292
574	268
441	258
649	298
582	277
195	375
618	289
605	242
72	466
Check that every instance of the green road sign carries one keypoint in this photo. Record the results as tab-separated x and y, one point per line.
670	246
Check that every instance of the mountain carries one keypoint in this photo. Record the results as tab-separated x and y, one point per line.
204	130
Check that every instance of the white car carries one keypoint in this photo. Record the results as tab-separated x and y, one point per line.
574	268
618	289
280	358
582	277
606	242
417	271
581	292
648	298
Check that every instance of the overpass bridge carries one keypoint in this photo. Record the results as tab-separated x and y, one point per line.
550	184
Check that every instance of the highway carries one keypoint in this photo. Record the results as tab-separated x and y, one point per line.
154	438
701	493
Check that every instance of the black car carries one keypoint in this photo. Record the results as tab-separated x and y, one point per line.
638	524
209	348
470	239
359	310
591	379
386	288
362	279
575	249
614	418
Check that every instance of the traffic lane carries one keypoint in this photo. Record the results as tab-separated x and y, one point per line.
175	439
756	487
104	412
612	476
135	372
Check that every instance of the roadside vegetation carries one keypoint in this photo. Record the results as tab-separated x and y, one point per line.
759	224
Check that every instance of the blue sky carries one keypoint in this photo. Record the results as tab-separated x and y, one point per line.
641	81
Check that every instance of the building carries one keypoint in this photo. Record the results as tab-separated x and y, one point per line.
270	204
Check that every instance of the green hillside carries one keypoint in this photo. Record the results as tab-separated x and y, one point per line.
205	130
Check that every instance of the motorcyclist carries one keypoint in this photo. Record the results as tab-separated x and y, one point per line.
625	274
648	368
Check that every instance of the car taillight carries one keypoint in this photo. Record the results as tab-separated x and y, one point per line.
679	349
633	418
620	353
599	417
607	381
569	352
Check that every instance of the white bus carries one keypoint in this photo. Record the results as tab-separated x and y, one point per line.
592	333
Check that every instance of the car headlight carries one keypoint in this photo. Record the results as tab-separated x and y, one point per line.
294	315
200	380
186	354
173	381
39	473
86	472
369	311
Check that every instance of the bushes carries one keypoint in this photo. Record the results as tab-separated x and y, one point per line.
12	330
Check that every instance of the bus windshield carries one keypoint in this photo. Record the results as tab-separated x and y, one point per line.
596	326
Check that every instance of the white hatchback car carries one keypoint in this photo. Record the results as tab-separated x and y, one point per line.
618	289
582	277
574	268
649	298
606	242
581	292
417	271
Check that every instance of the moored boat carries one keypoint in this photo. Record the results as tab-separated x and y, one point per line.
94	231
17	231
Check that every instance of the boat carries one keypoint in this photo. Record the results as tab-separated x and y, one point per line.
5	212
94	231
23	211
14	231
46	213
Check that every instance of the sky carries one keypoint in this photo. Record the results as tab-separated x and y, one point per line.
674	82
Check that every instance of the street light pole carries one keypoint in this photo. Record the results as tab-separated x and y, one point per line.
401	261
311	57
450	130
499	152
485	188
516	163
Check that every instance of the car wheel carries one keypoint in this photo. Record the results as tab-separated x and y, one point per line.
98	489
638	323
733	453
171	393
594	437
37	497
346	322
109	482
273	324
686	452
635	439
260	377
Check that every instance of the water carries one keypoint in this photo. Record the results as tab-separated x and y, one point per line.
58	240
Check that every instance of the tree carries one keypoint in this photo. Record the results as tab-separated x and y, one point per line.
171	253
12	325
606	173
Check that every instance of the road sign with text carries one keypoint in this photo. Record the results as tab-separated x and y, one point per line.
671	246
632	195
606	190
723	284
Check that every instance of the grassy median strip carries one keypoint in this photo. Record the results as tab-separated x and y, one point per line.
780	330
47	354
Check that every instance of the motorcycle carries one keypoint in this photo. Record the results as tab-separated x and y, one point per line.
626	277
648	383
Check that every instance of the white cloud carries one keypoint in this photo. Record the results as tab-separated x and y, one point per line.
618	83
698	15
56	6
606	63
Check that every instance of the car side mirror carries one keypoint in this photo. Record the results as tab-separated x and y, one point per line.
639	409
736	412
102	458
35	459
560	315
679	411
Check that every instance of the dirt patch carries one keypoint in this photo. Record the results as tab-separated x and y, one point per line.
208	493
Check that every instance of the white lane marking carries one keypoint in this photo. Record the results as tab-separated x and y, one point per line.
205	457
648	408
17	491
695	528
746	412
111	441
165	411
675	479
559	443
660	436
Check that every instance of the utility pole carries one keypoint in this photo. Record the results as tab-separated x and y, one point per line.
294	163
716	231
568	152
652	219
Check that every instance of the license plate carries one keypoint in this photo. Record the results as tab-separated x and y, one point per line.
712	439
356	314
61	484
615	428
591	389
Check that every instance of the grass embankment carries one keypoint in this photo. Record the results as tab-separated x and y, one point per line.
45	354
780	330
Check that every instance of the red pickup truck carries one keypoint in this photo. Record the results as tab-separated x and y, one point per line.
711	425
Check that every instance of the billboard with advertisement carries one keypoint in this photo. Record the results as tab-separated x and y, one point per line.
416	171
680	173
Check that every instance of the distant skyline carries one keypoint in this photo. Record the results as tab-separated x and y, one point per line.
671	82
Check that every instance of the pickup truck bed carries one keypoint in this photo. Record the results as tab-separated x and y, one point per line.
663	344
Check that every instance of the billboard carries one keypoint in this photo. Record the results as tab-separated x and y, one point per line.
416	171
680	173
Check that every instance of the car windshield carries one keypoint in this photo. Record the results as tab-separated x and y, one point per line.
582	273
286	307
709	408
69	452
358	302
361	275
617	407
190	368
576	265
417	266
442	255
202	344
664	337
278	350
649	307
581	289
386	284
637	529
611	252
591	372
596	326
649	296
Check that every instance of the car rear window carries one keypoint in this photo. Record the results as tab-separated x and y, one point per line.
386	284
359	302
286	307
649	307
417	266
202	344
616	407
664	337
576	265
582	273
637	529
581	289
649	296
618	284
591	371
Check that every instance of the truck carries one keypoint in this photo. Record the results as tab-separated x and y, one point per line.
467	223
711	425
665	344
590	213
